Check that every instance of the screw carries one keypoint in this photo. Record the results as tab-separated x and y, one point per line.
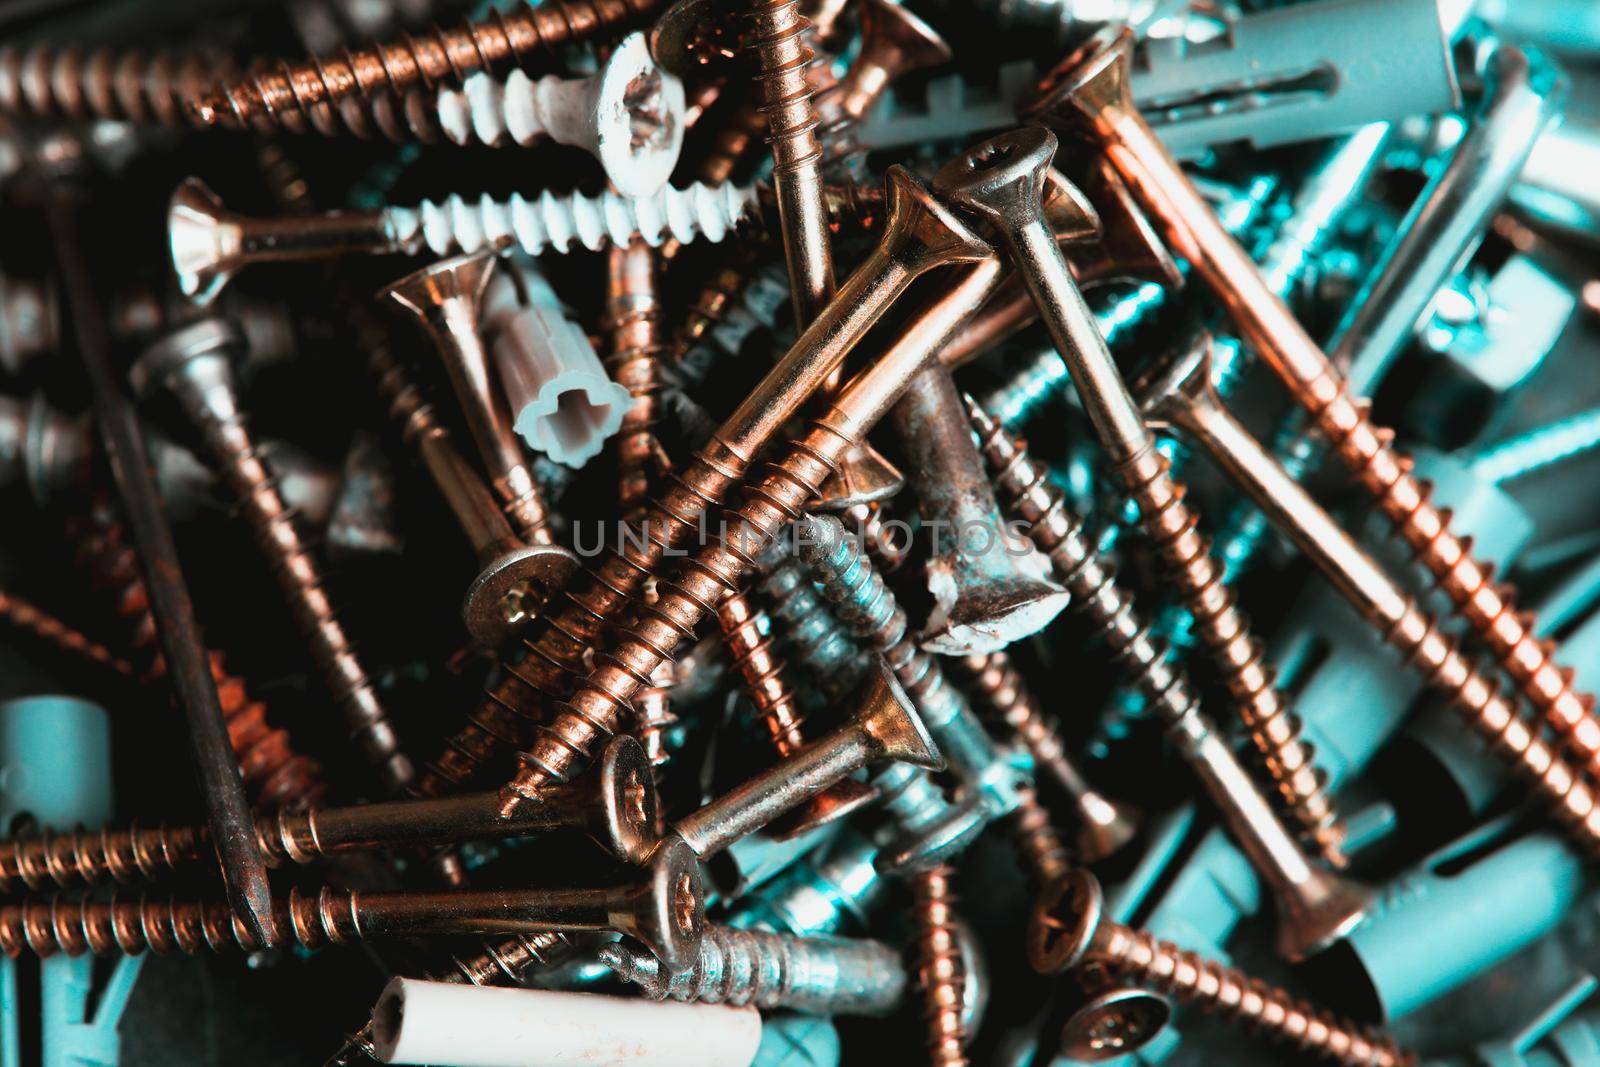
47	83
193	364
1313	907
447	299
1092	86
42	625
917	236
864	604
817	976
1180	392
1000	694
1113	1021
287	97
210	244
936	964
664	909
1068	928
273	771
894	43
812	635
1000	180
633	311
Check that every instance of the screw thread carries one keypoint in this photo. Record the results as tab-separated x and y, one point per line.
734	144
937	966
90	857
51	630
812	634
1300	785
1044	854
1237	997
288	96
560	223
634	314
655	631
998	693
273	771
507	962
65	83
748	632
860	598
1488	608
717	297
652	715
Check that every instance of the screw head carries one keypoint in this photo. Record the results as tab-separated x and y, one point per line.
672	918
508	590
638	119
628	810
1114	1024
1002	179
1064	921
204	239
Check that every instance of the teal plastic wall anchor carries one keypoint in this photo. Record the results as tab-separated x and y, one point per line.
1461	913
55	771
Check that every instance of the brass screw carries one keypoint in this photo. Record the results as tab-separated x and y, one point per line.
936	964
1068	928
1001	180
1090	88
155	87
285	97
633	312
193	362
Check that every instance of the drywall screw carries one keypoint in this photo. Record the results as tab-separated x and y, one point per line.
154	87
988	589
286	97
1001	695
615	803
1179	392
1068	928
274	773
748	633
447	299
936	965
1001	180
813	637
510	569
664	907
31	619
633	314
1092	86
894	43
918	236
193	364
864	604
1312	907
815	975
210	244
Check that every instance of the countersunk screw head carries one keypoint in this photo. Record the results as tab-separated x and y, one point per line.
205	240
1064	922
512	588
1114	1024
627	814
1001	180
1088	83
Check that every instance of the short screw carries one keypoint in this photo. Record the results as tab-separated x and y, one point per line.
1000	181
1068	929
287	97
193	363
1313	907
818	976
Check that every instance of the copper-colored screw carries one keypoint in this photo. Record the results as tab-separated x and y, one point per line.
193	362
894	43
1068	929
1001	181
1091	88
1313	906
284	97
936	965
711	305
999	693
664	907
154	87
1044	854
273	772
633	312
917	236
51	630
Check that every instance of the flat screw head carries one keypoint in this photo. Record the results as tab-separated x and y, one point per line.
427	292
920	232
1064	922
1114	1024
1090	82
1002	179
638	119
511	588
205	240
672	919
628	809
195	363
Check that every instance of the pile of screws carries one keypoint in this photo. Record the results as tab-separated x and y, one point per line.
560	484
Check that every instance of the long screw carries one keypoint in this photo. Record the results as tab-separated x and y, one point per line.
818	976
1092	87
141	87
34	620
1000	694
1069	929
663	907
285	97
1001	180
274	773
917	237
1180	392
193	362
937	966
633	312
1313	907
